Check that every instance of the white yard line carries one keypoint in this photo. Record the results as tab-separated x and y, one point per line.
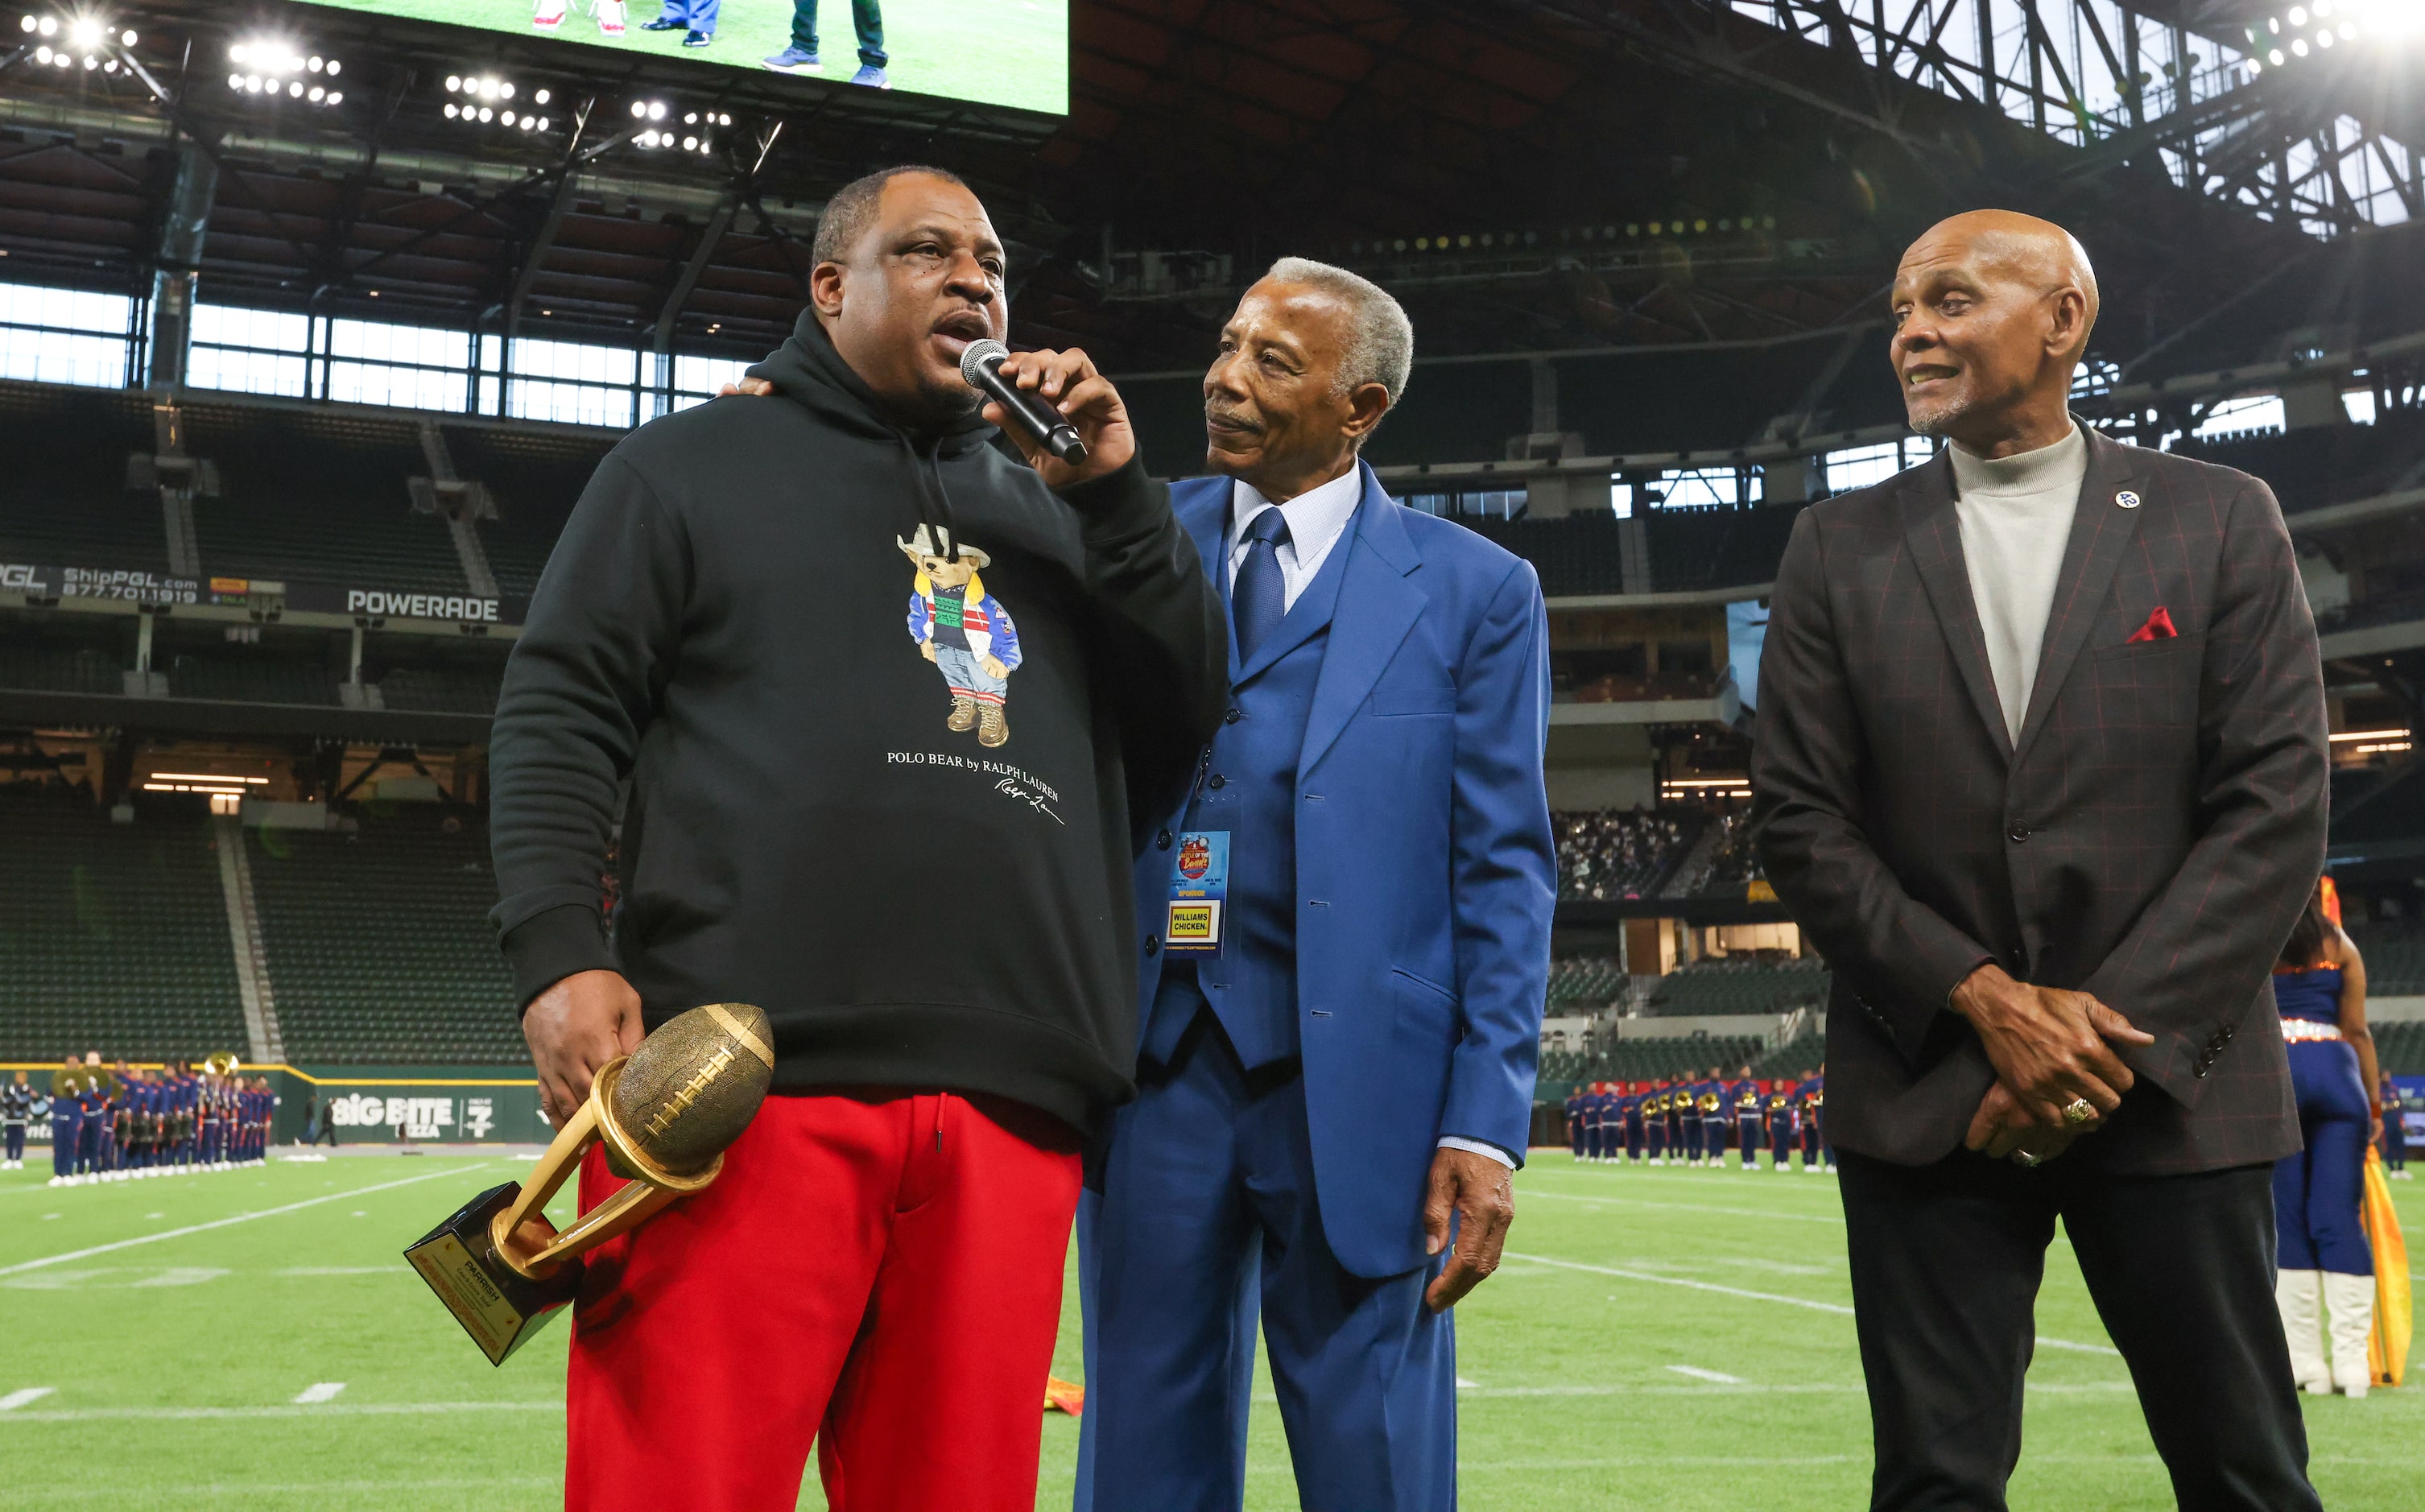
1526	1191
19	1397
288	1491
346	1409
222	1223
1718	1376
342	1270
318	1392
1839	1309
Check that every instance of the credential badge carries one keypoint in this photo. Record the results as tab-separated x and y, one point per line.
2127	499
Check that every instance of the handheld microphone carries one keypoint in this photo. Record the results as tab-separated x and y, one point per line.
981	369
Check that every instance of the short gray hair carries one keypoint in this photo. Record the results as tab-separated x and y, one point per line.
1380	341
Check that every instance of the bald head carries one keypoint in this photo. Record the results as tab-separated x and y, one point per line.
1992	311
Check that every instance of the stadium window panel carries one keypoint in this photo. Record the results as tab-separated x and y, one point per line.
697	379
402	387
572	383
1709	488
25	304
249	351
57	357
2360	405
64	335
270	331
402	345
1438	504
1496	504
2256	411
247	372
1620	499
578	404
1858	467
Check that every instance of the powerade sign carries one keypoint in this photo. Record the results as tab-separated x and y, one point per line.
405	603
133	585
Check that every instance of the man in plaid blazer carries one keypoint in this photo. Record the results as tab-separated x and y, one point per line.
2052	847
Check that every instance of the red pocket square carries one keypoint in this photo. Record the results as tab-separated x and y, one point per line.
2159	627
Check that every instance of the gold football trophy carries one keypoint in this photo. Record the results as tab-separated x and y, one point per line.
665	1113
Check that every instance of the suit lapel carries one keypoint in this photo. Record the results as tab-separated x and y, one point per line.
1935	536
1376	606
2101	531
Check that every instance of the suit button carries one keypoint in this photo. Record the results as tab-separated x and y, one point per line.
1162	841
1218	781
2227	1030
1152	943
2199	1070
1232	717
2018	835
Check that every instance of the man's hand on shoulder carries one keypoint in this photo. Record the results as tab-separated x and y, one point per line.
573	1028
1085	398
1480	1193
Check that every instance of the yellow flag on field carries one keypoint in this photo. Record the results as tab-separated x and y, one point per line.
2386	1347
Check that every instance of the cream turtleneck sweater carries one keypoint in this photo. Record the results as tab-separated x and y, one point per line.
2015	514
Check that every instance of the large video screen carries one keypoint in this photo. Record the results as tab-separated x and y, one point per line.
994	52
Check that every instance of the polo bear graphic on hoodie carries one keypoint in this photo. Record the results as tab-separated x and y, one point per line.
962	629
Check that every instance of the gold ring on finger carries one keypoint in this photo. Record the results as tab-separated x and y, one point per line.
2078	1111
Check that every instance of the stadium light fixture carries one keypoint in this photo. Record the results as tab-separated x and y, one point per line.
275	69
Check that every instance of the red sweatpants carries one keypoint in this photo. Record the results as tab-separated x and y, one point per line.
877	1271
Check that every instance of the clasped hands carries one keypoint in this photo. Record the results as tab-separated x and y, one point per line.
2051	1049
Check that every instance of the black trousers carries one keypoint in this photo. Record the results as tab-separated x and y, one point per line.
1946	1263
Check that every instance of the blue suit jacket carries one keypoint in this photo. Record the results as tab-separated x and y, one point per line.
1426	872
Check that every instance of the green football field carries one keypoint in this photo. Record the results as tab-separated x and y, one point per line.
1666	1339
997	52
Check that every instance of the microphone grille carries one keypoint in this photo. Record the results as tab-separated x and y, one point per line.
979	354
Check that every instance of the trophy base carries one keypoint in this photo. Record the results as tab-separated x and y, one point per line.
500	1308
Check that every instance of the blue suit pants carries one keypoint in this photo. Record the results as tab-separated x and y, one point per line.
1202	1209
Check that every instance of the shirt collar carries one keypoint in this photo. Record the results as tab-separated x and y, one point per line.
1315	517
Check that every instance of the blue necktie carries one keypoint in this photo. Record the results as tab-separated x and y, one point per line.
1258	596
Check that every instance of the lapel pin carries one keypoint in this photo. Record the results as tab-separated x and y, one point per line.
2127	499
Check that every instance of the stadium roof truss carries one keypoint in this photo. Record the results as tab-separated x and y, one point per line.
2234	100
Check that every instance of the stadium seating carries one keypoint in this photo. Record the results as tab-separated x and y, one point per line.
1694	549
1689	549
63	496
1727	868
1585	981
2395	957
1736	985
317	496
379	943
2315	466
58	668
534	477
113	937
2401	1046
1797	1057
440	691
1619	853
1636	1060
250	679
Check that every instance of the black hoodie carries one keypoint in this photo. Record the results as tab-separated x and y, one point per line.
732	622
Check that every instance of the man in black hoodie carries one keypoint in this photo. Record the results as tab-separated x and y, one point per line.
794	629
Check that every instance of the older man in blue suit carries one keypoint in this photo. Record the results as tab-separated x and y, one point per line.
1345	934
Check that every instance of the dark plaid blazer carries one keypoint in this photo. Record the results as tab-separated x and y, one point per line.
2150	839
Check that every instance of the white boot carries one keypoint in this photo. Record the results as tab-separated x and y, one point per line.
2295	1293
2351	1299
